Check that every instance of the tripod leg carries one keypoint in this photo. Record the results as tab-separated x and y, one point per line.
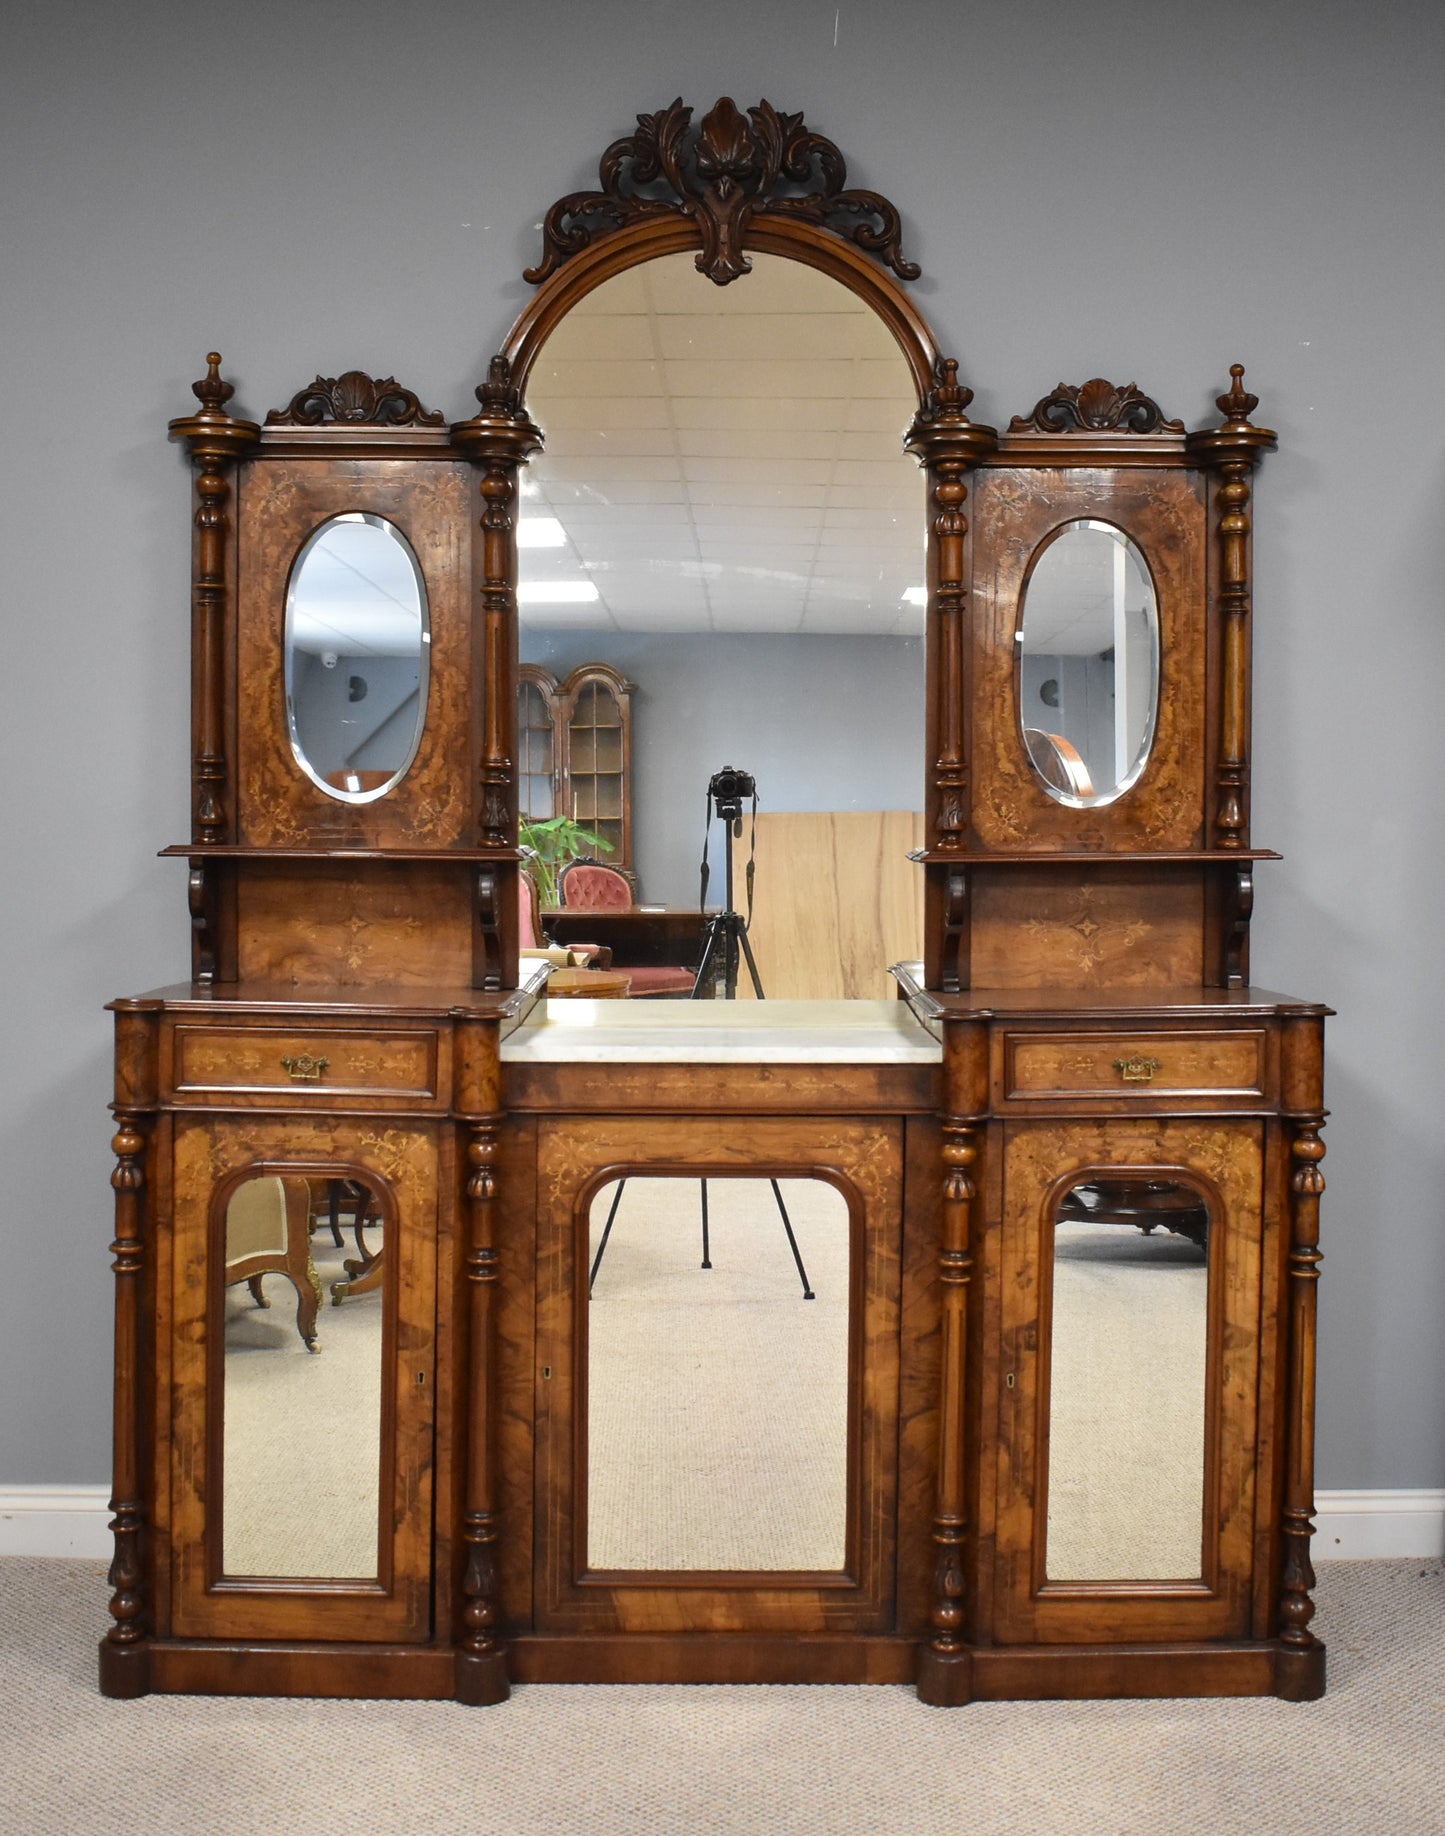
792	1242
705	967
706	1260
606	1233
752	968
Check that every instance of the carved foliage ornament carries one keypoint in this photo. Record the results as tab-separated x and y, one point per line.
1096	407
732	168
354	397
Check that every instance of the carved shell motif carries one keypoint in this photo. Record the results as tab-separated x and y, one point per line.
357	398
1096	406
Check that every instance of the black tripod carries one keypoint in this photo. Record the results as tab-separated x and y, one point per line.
726	933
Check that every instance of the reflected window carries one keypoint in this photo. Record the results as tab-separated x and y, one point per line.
1129	1351
717	1375
301	1452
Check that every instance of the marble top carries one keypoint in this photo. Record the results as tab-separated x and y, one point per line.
721	1032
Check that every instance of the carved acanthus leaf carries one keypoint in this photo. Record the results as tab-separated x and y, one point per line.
1096	406
732	168
356	398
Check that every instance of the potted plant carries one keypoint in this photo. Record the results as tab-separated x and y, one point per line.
549	845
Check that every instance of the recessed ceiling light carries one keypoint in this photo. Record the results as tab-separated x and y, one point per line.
540	532
915	596
555	592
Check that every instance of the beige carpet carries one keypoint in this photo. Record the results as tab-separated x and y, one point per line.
690	1761
303	1429
1126	1405
718	1398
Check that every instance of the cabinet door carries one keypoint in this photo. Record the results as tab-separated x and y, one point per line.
1131	1258
301	1470
598	748
536	746
717	1449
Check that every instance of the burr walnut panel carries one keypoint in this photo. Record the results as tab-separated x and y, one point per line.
317	1064
1104	926
354	924
1015	509
429	501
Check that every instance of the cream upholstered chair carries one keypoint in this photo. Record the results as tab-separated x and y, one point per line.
268	1231
590	886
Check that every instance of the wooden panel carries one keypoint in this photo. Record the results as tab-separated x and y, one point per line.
397	1604
837	902
379	1062
1016	509
347	926
429	500
810	1089
571	1155
1086	1064
1104	927
1226	1159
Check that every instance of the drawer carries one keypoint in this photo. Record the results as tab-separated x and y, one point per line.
392	1063
1224	1064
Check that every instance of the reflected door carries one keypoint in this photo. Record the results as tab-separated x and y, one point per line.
1130	1356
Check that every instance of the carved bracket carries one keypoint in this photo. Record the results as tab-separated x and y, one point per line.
356	398
1096	407
734	167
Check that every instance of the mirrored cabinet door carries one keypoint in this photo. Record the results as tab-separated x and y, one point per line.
1130	1356
305	1261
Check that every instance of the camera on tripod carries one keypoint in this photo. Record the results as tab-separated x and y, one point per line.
730	789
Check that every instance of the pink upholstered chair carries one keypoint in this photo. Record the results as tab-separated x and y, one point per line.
588	886
530	935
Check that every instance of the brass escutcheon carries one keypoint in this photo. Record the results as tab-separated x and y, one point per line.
304	1068
1137	1070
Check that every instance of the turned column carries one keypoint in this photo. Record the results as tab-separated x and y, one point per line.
945	1664
498	440
947	444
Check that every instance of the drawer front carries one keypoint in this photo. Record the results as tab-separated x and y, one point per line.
1227	1064
379	1062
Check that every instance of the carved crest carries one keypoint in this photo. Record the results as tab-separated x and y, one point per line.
1096	407
357	398
734	167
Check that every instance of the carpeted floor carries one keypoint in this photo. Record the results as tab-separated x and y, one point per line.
1367	1761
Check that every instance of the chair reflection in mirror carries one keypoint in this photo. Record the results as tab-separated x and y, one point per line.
1059	762
268	1231
589	886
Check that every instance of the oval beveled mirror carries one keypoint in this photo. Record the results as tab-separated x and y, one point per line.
357	652
1088	644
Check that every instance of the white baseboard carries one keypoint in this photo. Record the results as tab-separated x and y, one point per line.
70	1520
55	1520
1354	1524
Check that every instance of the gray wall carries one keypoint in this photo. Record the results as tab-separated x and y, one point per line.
821	723
1120	188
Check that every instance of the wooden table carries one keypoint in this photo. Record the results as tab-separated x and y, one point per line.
640	936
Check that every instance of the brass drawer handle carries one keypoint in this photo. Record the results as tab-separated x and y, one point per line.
1137	1070
304	1068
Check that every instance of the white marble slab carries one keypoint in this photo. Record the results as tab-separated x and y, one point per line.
721	1032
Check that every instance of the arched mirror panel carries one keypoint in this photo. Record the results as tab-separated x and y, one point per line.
302	1433
358	644
724	513
1127	1395
1088	652
718	1335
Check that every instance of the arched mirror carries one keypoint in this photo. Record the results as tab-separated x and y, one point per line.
1129	1356
1088	644
725	515
357	653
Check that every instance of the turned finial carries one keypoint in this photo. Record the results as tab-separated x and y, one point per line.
211	392
1238	404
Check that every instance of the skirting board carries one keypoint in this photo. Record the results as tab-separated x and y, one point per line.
71	1520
